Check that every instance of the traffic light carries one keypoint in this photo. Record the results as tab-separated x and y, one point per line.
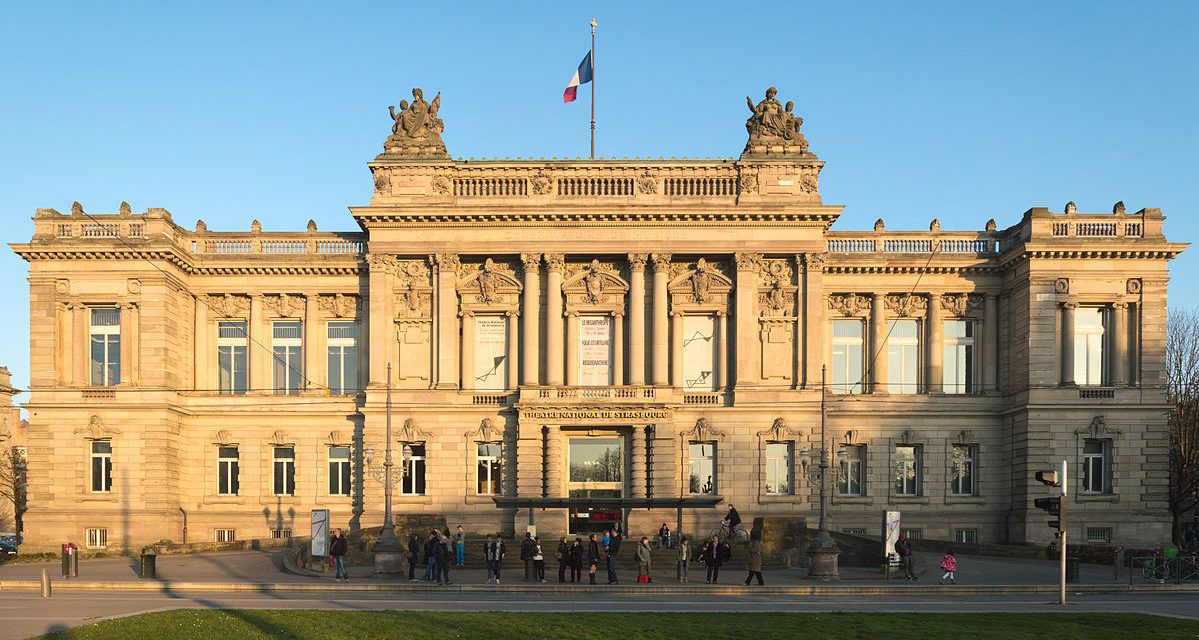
1052	505
1048	478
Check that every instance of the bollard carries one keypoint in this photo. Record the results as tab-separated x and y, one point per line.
45	584
1118	565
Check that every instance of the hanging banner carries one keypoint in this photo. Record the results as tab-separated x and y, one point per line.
491	353
699	353
595	350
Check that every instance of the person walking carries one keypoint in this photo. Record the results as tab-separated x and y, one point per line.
441	551
643	560
612	548
526	555
431	570
903	547
682	556
575	560
460	547
538	560
337	553
413	554
494	553
563	556
950	564
753	559
593	557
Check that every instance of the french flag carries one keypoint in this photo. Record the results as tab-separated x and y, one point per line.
582	76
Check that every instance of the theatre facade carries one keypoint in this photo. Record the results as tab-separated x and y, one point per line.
583	342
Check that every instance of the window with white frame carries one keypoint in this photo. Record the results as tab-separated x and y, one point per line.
339	471
227	471
701	467
487	468
847	357
232	344
1095	455
224	535
101	454
342	342
778	468
961	470
907	470
285	471
852	471
1088	346
288	347
958	357
106	346
412	466
95	538
903	356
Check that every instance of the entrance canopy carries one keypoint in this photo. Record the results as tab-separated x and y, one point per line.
608	503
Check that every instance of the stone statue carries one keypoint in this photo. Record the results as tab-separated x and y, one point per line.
488	281
701	282
767	116
773	129
417	129
594	282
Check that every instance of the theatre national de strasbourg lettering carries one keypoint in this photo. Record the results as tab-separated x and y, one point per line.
650	333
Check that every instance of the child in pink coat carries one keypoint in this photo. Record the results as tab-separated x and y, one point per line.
950	564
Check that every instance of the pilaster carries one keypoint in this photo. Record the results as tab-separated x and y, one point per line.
876	357
1120	343
661	361
553	320
315	376
990	338
1068	343
530	319
447	321
636	307
748	351
260	356
553	462
637	480
934	336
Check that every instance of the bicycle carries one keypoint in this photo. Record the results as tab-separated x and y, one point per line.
738	534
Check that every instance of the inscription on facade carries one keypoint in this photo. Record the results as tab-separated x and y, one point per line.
597	414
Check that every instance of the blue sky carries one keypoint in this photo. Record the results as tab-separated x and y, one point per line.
228	112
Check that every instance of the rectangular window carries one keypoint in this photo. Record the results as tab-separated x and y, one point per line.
965	536
1099	535
285	471
339	471
487	469
847	357
961	470
595	350
225	535
1094	465
287	345
1088	346
227	471
854	531
280	533
913	534
778	468
491	353
702	467
101	466
903	359
95	538
852	470
958	357
342	342
412	464
106	347
232	343
700	355
907	470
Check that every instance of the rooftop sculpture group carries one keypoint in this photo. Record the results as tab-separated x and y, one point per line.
773	129
417	129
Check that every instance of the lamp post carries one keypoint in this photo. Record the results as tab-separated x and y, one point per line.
823	552
387	548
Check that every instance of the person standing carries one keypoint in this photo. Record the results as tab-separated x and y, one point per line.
643	560
460	547
950	564
563	556
495	552
903	547
413	554
337	553
526	555
682	556
576	560
753	559
441	551
593	557
612	548
431	570
538	560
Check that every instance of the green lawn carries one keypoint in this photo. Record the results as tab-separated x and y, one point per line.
205	624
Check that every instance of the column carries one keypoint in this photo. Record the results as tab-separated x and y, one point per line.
80	345
748	349
638	480
572	348
676	349
724	358
135	343
259	359
618	348
379	326
447	321
990	350
814	310
126	365
200	344
468	351
636	319
661	361
1068	343
876	357
1120	344
553	320
530	319
513	351
553	462
1134	355
315	376
934	337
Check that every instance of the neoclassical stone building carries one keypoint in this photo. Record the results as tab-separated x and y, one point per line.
646	333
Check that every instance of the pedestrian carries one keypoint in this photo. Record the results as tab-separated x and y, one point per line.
664	536
753	558
731	520
575	560
903	547
413	555
526	555
441	551
460	547
950	564
682	556
487	557
495	552
337	554
431	570
611	549
593	557
643	560
562	553
718	552
538	559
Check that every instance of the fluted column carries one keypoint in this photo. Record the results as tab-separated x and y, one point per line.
447	321
203	352
661	362
379	326
934	338
530	319
876	358
618	348
636	319
990	337
553	320
513	359
637	480
1120	344
748	349
814	310
553	462
315	376
468	350
1068	343
676	349
572	348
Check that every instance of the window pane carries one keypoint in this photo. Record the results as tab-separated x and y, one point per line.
847	329
596	459
106	317
101	446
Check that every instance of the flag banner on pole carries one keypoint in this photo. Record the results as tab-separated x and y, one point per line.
582	76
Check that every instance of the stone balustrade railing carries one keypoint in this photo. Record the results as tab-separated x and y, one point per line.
905	242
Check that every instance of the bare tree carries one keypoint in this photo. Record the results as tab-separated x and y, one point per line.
12	483
1182	392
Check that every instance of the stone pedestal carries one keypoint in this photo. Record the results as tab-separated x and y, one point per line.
822	561
389	559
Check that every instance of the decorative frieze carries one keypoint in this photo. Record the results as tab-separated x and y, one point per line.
229	305
906	305
849	305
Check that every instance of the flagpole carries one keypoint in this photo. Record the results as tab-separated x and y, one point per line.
593	88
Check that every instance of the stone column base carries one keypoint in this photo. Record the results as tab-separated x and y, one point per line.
389	560
822	563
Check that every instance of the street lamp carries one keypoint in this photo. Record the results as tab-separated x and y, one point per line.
823	552
387	548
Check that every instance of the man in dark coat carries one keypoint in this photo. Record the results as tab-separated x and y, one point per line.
442	552
526	555
732	519
903	547
612	549
337	552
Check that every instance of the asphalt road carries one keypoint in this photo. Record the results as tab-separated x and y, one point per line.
26	614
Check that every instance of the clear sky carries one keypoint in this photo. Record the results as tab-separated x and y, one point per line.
231	111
